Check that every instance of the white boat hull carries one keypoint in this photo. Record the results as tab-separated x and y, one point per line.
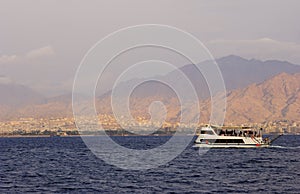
200	145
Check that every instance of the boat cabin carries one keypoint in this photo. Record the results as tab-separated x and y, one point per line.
231	131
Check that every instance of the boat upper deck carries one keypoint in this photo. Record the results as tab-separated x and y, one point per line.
232	131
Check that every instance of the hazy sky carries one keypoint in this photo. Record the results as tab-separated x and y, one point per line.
43	42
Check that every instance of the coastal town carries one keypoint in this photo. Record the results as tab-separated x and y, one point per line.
67	126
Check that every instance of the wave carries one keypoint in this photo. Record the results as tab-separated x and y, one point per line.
284	147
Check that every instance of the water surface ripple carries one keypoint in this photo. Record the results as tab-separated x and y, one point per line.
65	165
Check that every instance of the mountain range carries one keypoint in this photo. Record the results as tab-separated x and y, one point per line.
274	99
237	73
256	91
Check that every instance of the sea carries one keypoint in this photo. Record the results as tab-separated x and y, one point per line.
66	165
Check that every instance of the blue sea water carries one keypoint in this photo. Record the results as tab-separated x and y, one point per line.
66	165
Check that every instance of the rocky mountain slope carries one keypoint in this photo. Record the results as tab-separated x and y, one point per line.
268	97
276	98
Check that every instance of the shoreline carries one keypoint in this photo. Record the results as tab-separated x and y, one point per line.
49	136
33	136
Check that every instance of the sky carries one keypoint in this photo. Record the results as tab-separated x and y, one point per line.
43	42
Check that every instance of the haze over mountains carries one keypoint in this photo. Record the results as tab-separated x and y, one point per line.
237	73
257	91
14	95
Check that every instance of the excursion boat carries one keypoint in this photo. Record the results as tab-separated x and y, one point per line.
232	137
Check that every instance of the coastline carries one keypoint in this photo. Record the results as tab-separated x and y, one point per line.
162	135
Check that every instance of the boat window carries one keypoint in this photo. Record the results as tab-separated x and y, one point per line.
207	132
208	140
224	141
229	141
